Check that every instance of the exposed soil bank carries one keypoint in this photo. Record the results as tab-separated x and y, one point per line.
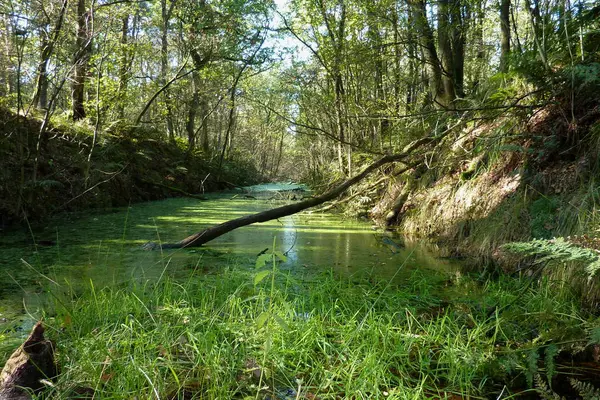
43	175
489	187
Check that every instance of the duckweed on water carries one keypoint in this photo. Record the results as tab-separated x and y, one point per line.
220	336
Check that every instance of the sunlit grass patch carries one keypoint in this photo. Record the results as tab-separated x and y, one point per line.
431	336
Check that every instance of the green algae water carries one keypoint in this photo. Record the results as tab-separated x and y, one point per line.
105	248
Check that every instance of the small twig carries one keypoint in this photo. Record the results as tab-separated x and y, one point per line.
95	186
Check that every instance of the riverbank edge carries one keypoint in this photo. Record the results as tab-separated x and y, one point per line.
539	182
263	334
61	170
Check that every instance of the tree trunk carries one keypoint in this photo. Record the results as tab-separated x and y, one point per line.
505	31
204	114
445	50
32	362
413	71
164	66
409	186
81	61
397	64
458	34
438	94
200	238
40	98
537	26
123	67
5	62
339	84
191	119
479	44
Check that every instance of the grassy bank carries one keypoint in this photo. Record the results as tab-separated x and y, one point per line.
61	170
265	334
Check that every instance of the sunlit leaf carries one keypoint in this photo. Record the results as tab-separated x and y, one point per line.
258	278
262	260
261	320
280	255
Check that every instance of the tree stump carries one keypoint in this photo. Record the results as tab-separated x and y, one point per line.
28	365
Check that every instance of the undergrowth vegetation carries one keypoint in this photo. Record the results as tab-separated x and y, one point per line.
269	334
127	164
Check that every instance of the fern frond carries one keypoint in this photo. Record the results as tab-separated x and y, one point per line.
558	250
544	391
585	389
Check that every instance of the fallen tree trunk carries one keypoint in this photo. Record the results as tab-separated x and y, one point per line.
198	239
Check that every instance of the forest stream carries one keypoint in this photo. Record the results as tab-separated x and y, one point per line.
105	248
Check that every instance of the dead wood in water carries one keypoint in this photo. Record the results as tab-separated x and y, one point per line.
200	238
32	362
176	190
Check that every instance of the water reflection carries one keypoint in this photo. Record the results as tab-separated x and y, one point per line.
106	248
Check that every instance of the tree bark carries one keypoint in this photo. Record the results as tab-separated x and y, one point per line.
164	66
40	98
123	67
413	70
445	50
200	238
458	25
438	94
80	61
5	61
505	31
190	126
28	365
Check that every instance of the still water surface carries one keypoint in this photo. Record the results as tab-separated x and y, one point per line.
105	248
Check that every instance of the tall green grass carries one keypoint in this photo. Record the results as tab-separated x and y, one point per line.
429	336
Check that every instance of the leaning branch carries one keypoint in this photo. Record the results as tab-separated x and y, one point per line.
162	89
200	238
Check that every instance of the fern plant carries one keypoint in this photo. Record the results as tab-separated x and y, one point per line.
585	390
558	250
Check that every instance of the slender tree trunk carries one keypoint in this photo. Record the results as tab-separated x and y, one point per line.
230	120
478	33
438	93
515	30
384	122
458	25
204	115
81	60
538	30
40	97
413	71
505	35
397	63
339	83
279	156
166	12
193	109
445	48
177	76
123	69
5	62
